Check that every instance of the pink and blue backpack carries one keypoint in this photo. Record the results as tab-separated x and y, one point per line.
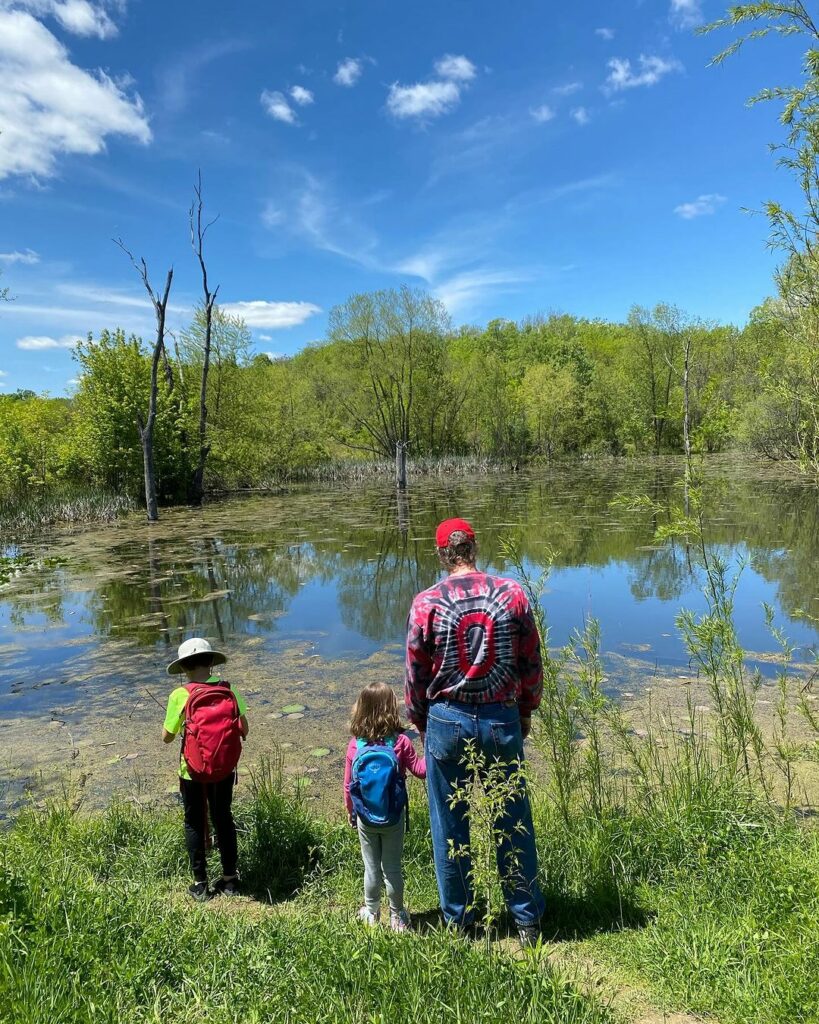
377	789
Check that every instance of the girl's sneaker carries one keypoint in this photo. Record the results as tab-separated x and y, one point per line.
368	918
400	922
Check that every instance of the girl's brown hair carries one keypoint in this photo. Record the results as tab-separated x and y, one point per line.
375	714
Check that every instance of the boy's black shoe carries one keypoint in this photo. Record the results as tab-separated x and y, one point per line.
226	887
529	935
199	891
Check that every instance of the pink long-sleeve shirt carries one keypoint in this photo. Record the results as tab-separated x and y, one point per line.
408	761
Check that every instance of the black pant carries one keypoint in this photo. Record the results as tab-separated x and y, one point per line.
196	798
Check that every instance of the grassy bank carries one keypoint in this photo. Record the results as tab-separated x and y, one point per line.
710	903
93	928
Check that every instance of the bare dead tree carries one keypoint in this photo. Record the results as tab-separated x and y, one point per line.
198	232
145	425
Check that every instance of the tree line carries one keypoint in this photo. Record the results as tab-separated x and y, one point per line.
393	369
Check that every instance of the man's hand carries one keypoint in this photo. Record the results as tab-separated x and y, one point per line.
525	725
351	818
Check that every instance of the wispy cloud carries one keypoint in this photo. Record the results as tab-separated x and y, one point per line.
581	116
348	72
651	69
466	290
29	257
49	106
543	113
3	373
42	342
605	33
567	89
276	105
702	206
686	13
272	315
301	95
436	96
178	79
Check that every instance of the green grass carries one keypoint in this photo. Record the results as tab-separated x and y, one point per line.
710	901
94	927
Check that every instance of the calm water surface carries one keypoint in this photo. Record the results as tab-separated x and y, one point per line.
333	570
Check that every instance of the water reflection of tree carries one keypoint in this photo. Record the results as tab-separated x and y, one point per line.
208	585
376	550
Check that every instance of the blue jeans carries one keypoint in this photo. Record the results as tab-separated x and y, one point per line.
495	730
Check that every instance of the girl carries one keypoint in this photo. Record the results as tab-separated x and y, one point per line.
379	742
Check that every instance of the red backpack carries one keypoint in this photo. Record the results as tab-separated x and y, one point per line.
212	741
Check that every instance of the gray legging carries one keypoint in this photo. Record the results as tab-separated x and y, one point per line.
381	850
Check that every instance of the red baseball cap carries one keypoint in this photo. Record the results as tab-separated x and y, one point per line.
450	526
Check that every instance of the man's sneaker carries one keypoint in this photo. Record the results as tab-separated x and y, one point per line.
199	891
529	935
226	887
399	922
368	918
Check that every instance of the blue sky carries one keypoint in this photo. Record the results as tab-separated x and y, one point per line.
510	160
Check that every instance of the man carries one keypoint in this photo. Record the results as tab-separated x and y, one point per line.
474	672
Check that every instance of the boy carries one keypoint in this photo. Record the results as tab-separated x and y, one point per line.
215	716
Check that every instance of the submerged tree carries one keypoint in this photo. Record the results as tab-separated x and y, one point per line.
387	342
146	424
198	232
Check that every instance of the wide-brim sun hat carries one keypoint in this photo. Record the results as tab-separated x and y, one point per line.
196	645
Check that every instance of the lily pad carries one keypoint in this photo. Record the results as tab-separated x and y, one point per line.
291	709
320	752
296	714
276	714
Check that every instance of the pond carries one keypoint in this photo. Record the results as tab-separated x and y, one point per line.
308	592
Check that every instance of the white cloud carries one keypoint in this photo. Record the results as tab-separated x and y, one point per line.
85	19
702	206
39	343
80	17
581	116
424	99
49	106
543	113
569	89
652	69
455	68
605	33
301	95
265	337
276	105
28	257
348	72
3	373
686	13
273	315
434	97
274	356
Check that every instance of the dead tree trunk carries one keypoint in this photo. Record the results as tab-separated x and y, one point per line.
401	465
145	425
198	232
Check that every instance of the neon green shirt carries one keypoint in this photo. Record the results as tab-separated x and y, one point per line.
175	716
